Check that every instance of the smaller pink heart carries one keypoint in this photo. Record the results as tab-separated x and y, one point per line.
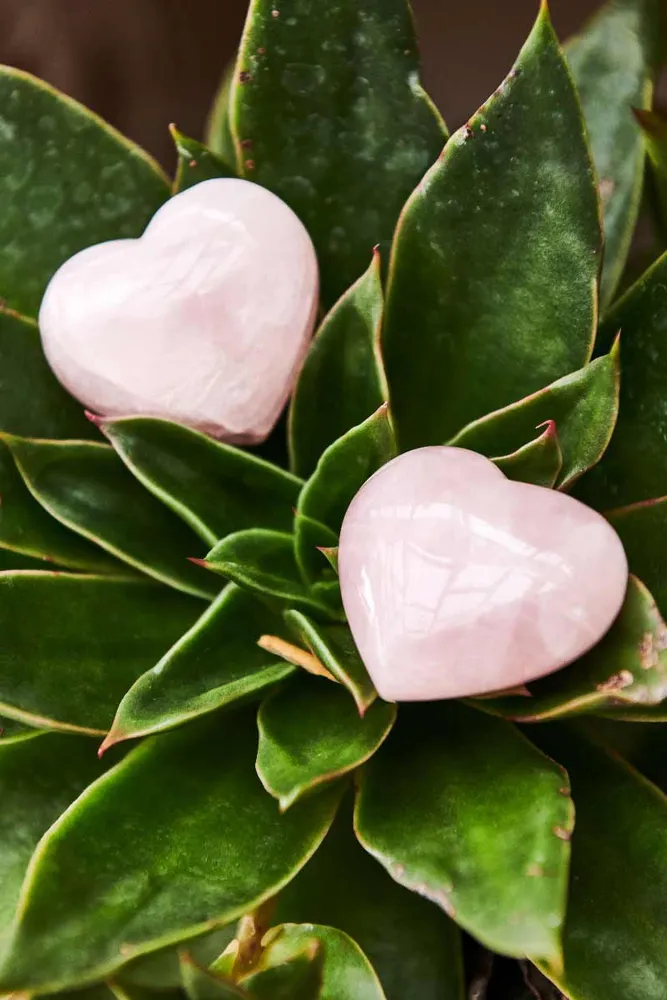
458	582
205	320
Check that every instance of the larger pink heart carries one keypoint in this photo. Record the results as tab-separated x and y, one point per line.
205	320
458	582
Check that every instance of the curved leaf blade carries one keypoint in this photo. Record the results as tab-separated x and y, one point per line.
67	180
642	527
196	163
218	129
539	462
492	290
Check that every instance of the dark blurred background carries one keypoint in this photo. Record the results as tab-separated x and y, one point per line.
144	63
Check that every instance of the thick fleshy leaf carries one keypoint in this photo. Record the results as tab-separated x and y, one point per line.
627	668
324	97
160	850
86	487
341	382
200	984
642	528
493	278
32	401
73	644
341	472
290	968
217	662
461	808
161	970
584	406
654	127
346	973
334	646
310	733
263	562
196	163
67	180
410	941
215	488
613	62
634	467
219	137
539	462
39	778
615	937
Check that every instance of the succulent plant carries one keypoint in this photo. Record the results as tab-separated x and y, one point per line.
261	824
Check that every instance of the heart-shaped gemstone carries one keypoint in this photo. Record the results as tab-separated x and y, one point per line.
205	320
457	581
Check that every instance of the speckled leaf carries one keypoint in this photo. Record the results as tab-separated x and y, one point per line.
217	662
39	778
634	466
215	488
615	937
346	973
263	562
410	941
613	62
86	487
310	733
67	180
324	97
461	808
627	668
218	129
584	406
196	163
493	279
334	646
73	644
341	382
642	528
156	852
539	462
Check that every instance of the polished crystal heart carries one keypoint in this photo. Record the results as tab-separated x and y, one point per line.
457	581
205	320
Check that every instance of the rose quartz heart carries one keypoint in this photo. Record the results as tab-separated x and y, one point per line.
205	320
457	581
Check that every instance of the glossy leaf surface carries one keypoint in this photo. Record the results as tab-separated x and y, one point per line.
539	462
73	644
86	487
310	733
215	488
217	662
464	810
493	279
157	852
323	95
196	163
67	180
341	382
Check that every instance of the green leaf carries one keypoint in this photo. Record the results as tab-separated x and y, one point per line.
201	984
654	128
160	850
161	970
408	939
584	406
341	382
290	967
326	100
493	279
196	163
341	472
310	733
344	971
32	401
39	778
613	62
73	644
642	528
539	462
12	731
67	180
263	562
214	664
85	486
334	646
215	488
461	808
219	137
634	466
615	939
627	668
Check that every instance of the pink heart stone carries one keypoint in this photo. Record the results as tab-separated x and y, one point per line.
205	320
457	581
